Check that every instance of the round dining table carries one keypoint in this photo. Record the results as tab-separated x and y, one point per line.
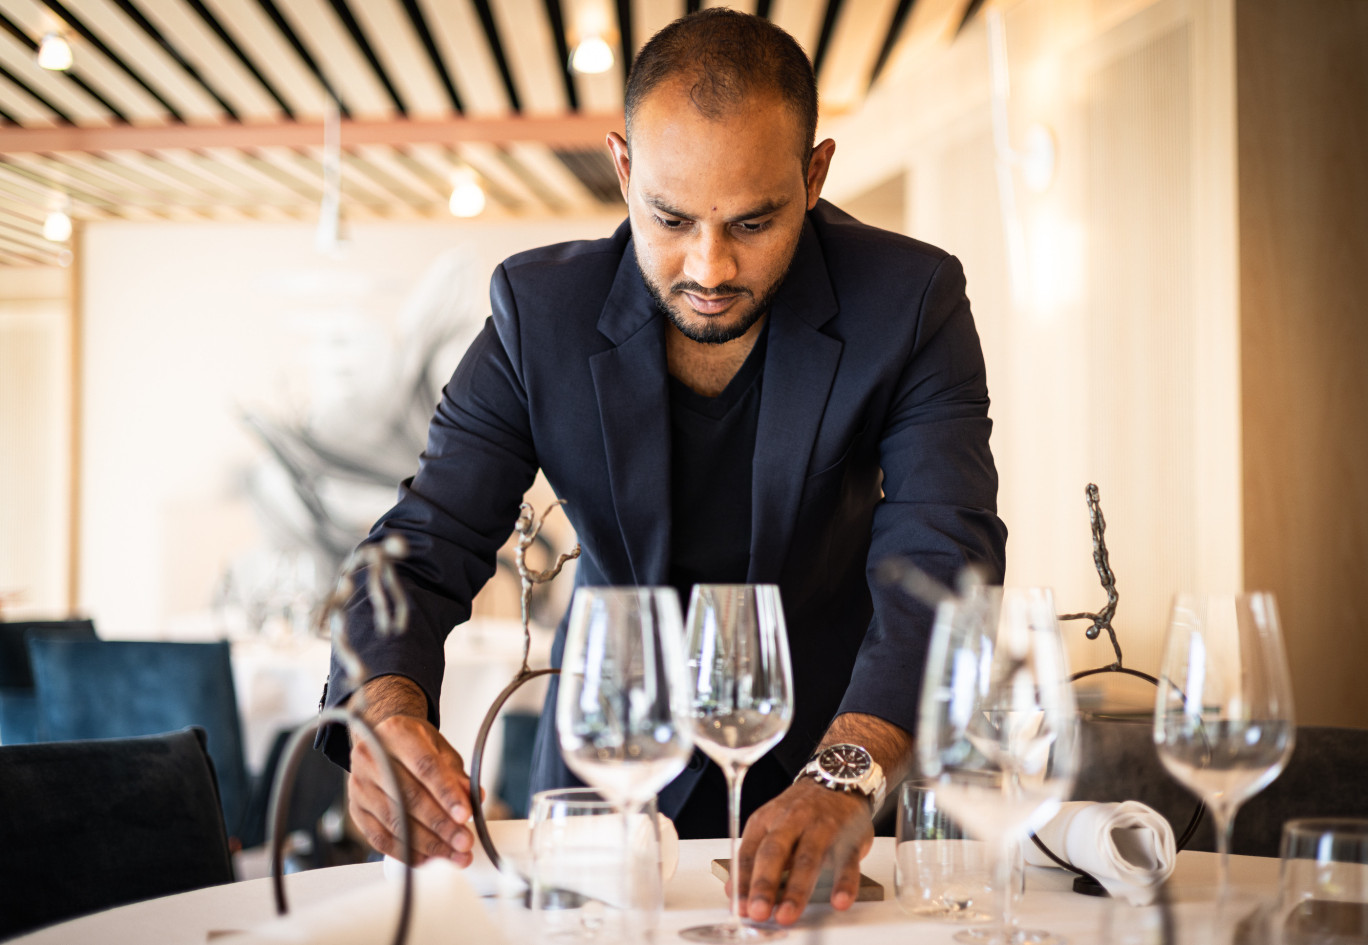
693	896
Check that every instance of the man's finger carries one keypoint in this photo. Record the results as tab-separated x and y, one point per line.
423	808
766	872
805	867
369	799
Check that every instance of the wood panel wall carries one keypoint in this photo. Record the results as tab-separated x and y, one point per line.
1302	94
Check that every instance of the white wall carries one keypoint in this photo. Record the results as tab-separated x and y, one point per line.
184	324
1115	359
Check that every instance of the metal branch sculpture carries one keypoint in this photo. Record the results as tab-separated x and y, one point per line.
527	527
390	607
1102	620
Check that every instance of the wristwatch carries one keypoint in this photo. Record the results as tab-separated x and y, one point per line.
848	768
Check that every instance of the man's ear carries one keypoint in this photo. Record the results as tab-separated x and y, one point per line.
622	161
818	166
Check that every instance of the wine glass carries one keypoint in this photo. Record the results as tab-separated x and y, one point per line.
1223	714
740	691
997	729
621	715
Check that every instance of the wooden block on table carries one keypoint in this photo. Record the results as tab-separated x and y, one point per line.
870	890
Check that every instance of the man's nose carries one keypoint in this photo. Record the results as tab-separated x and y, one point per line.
711	261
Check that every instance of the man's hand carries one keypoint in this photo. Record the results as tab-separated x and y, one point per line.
431	774
802	830
810	827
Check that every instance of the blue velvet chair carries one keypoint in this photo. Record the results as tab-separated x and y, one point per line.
18	702
122	688
88	825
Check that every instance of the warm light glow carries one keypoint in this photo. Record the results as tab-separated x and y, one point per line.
592	56
467	198
54	52
57	226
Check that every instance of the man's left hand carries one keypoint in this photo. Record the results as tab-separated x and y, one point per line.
804	829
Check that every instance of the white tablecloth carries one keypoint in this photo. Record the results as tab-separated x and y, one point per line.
693	897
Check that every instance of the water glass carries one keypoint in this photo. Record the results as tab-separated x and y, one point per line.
1324	889
939	871
595	871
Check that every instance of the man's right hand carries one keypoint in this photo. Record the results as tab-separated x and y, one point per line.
432	778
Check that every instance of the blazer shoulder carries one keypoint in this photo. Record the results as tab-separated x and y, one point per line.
574	260
845	240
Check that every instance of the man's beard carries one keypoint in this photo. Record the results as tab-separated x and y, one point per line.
713	331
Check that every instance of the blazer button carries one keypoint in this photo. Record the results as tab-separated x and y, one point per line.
698	761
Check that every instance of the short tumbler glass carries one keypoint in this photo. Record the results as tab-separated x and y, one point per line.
940	872
1324	888
595	876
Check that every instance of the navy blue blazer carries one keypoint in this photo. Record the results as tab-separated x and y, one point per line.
872	441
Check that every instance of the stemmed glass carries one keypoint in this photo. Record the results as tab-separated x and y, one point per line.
740	691
997	728
1223	714
621	714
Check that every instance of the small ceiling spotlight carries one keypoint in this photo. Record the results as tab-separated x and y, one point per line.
54	52
467	196
57	224
592	56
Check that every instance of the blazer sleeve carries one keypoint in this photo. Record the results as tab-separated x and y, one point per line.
454	515
939	508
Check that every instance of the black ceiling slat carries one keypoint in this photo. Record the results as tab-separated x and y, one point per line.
207	17
7	118
156	35
693	6
71	20
273	13
14	30
496	48
762	8
37	96
624	14
969	11
44	182
420	26
557	18
895	28
358	36
593	168
833	11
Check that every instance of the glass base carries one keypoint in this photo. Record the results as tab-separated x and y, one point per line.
731	933
1000	936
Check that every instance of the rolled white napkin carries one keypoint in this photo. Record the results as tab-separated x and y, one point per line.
512	838
444	905
1128	847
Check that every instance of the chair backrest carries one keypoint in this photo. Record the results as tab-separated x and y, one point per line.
1324	778
121	688
18	703
88	825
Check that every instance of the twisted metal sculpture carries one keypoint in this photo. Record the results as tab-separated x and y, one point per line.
527	528
390	608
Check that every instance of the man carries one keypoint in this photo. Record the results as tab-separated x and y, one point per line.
741	384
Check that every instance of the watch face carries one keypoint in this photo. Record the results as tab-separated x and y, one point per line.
845	762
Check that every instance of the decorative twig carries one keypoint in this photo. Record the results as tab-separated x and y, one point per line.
1102	620
528	527
390	608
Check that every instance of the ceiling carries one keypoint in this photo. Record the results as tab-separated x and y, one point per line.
192	110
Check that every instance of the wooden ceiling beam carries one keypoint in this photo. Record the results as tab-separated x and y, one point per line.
554	131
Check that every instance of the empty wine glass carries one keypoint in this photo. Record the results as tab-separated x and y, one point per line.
621	716
997	729
1223	714
740	688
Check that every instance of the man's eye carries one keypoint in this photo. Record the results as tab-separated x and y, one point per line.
668	223
754	227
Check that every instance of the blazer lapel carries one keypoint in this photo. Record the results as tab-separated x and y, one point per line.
800	365
633	399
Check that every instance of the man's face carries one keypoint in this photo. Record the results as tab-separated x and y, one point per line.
717	207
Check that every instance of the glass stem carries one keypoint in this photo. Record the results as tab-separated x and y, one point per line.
1224	823
1003	883
735	774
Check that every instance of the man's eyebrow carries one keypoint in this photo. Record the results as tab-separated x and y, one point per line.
768	206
